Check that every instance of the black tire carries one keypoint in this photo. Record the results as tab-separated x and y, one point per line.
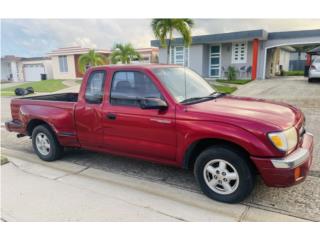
55	151
233	158
310	80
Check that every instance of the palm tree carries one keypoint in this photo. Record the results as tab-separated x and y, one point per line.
124	53
163	30
91	59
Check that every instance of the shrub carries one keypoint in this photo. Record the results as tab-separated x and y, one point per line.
232	73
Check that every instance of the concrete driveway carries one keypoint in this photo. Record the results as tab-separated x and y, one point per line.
301	201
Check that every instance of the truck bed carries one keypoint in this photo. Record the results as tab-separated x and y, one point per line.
57	110
61	97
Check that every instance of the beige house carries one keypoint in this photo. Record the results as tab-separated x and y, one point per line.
65	60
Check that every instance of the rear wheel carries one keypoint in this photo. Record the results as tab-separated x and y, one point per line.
45	144
224	174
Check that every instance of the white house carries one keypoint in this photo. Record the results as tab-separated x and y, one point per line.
18	69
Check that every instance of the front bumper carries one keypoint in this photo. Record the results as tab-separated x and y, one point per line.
290	170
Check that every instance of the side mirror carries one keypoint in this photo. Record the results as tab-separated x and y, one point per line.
152	103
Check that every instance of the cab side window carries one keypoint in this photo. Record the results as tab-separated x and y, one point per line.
95	87
130	86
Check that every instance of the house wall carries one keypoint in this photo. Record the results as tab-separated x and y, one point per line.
298	56
47	63
205	66
154	57
199	58
71	74
226	59
14	71
163	55
5	70
196	58
284	59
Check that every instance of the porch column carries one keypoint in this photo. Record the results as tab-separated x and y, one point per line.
14	71
255	49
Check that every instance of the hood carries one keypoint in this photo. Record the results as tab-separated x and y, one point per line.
279	115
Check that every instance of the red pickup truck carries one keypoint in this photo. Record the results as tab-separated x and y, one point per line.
168	114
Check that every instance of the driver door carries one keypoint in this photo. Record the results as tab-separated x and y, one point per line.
145	133
88	112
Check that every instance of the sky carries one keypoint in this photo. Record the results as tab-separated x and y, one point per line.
37	37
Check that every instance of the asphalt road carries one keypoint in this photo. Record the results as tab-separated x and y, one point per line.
302	200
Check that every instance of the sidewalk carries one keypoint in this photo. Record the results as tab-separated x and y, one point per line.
35	192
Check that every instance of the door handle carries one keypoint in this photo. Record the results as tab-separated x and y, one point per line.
111	116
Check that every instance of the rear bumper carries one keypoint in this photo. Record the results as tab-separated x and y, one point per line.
314	74
290	170
15	126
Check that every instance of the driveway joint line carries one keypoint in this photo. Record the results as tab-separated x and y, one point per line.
72	173
244	214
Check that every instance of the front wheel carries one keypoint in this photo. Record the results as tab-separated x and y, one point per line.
45	144
224	174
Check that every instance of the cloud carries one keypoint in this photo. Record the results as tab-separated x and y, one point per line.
84	42
36	37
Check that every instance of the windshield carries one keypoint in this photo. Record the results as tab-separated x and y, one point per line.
183	83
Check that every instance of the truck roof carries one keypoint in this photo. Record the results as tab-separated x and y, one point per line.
135	66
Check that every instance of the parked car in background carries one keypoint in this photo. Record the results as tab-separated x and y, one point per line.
314	70
169	114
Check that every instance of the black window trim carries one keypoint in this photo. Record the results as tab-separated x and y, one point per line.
103	85
128	70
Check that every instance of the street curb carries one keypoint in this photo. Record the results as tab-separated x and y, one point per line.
82	179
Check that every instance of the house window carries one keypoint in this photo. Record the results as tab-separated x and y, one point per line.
179	55
63	64
239	52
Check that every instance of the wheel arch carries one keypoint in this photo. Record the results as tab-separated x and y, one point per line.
33	123
198	146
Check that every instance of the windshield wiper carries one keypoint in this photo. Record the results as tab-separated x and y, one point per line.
217	94
213	95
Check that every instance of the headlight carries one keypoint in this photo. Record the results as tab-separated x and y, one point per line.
285	140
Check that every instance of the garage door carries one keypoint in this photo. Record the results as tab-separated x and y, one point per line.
32	72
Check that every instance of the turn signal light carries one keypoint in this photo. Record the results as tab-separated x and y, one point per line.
297	173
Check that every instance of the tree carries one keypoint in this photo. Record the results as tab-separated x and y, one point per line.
124	53
91	59
163	31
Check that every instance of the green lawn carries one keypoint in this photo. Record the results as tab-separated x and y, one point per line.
237	81
4	160
79	81
293	73
224	88
41	86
